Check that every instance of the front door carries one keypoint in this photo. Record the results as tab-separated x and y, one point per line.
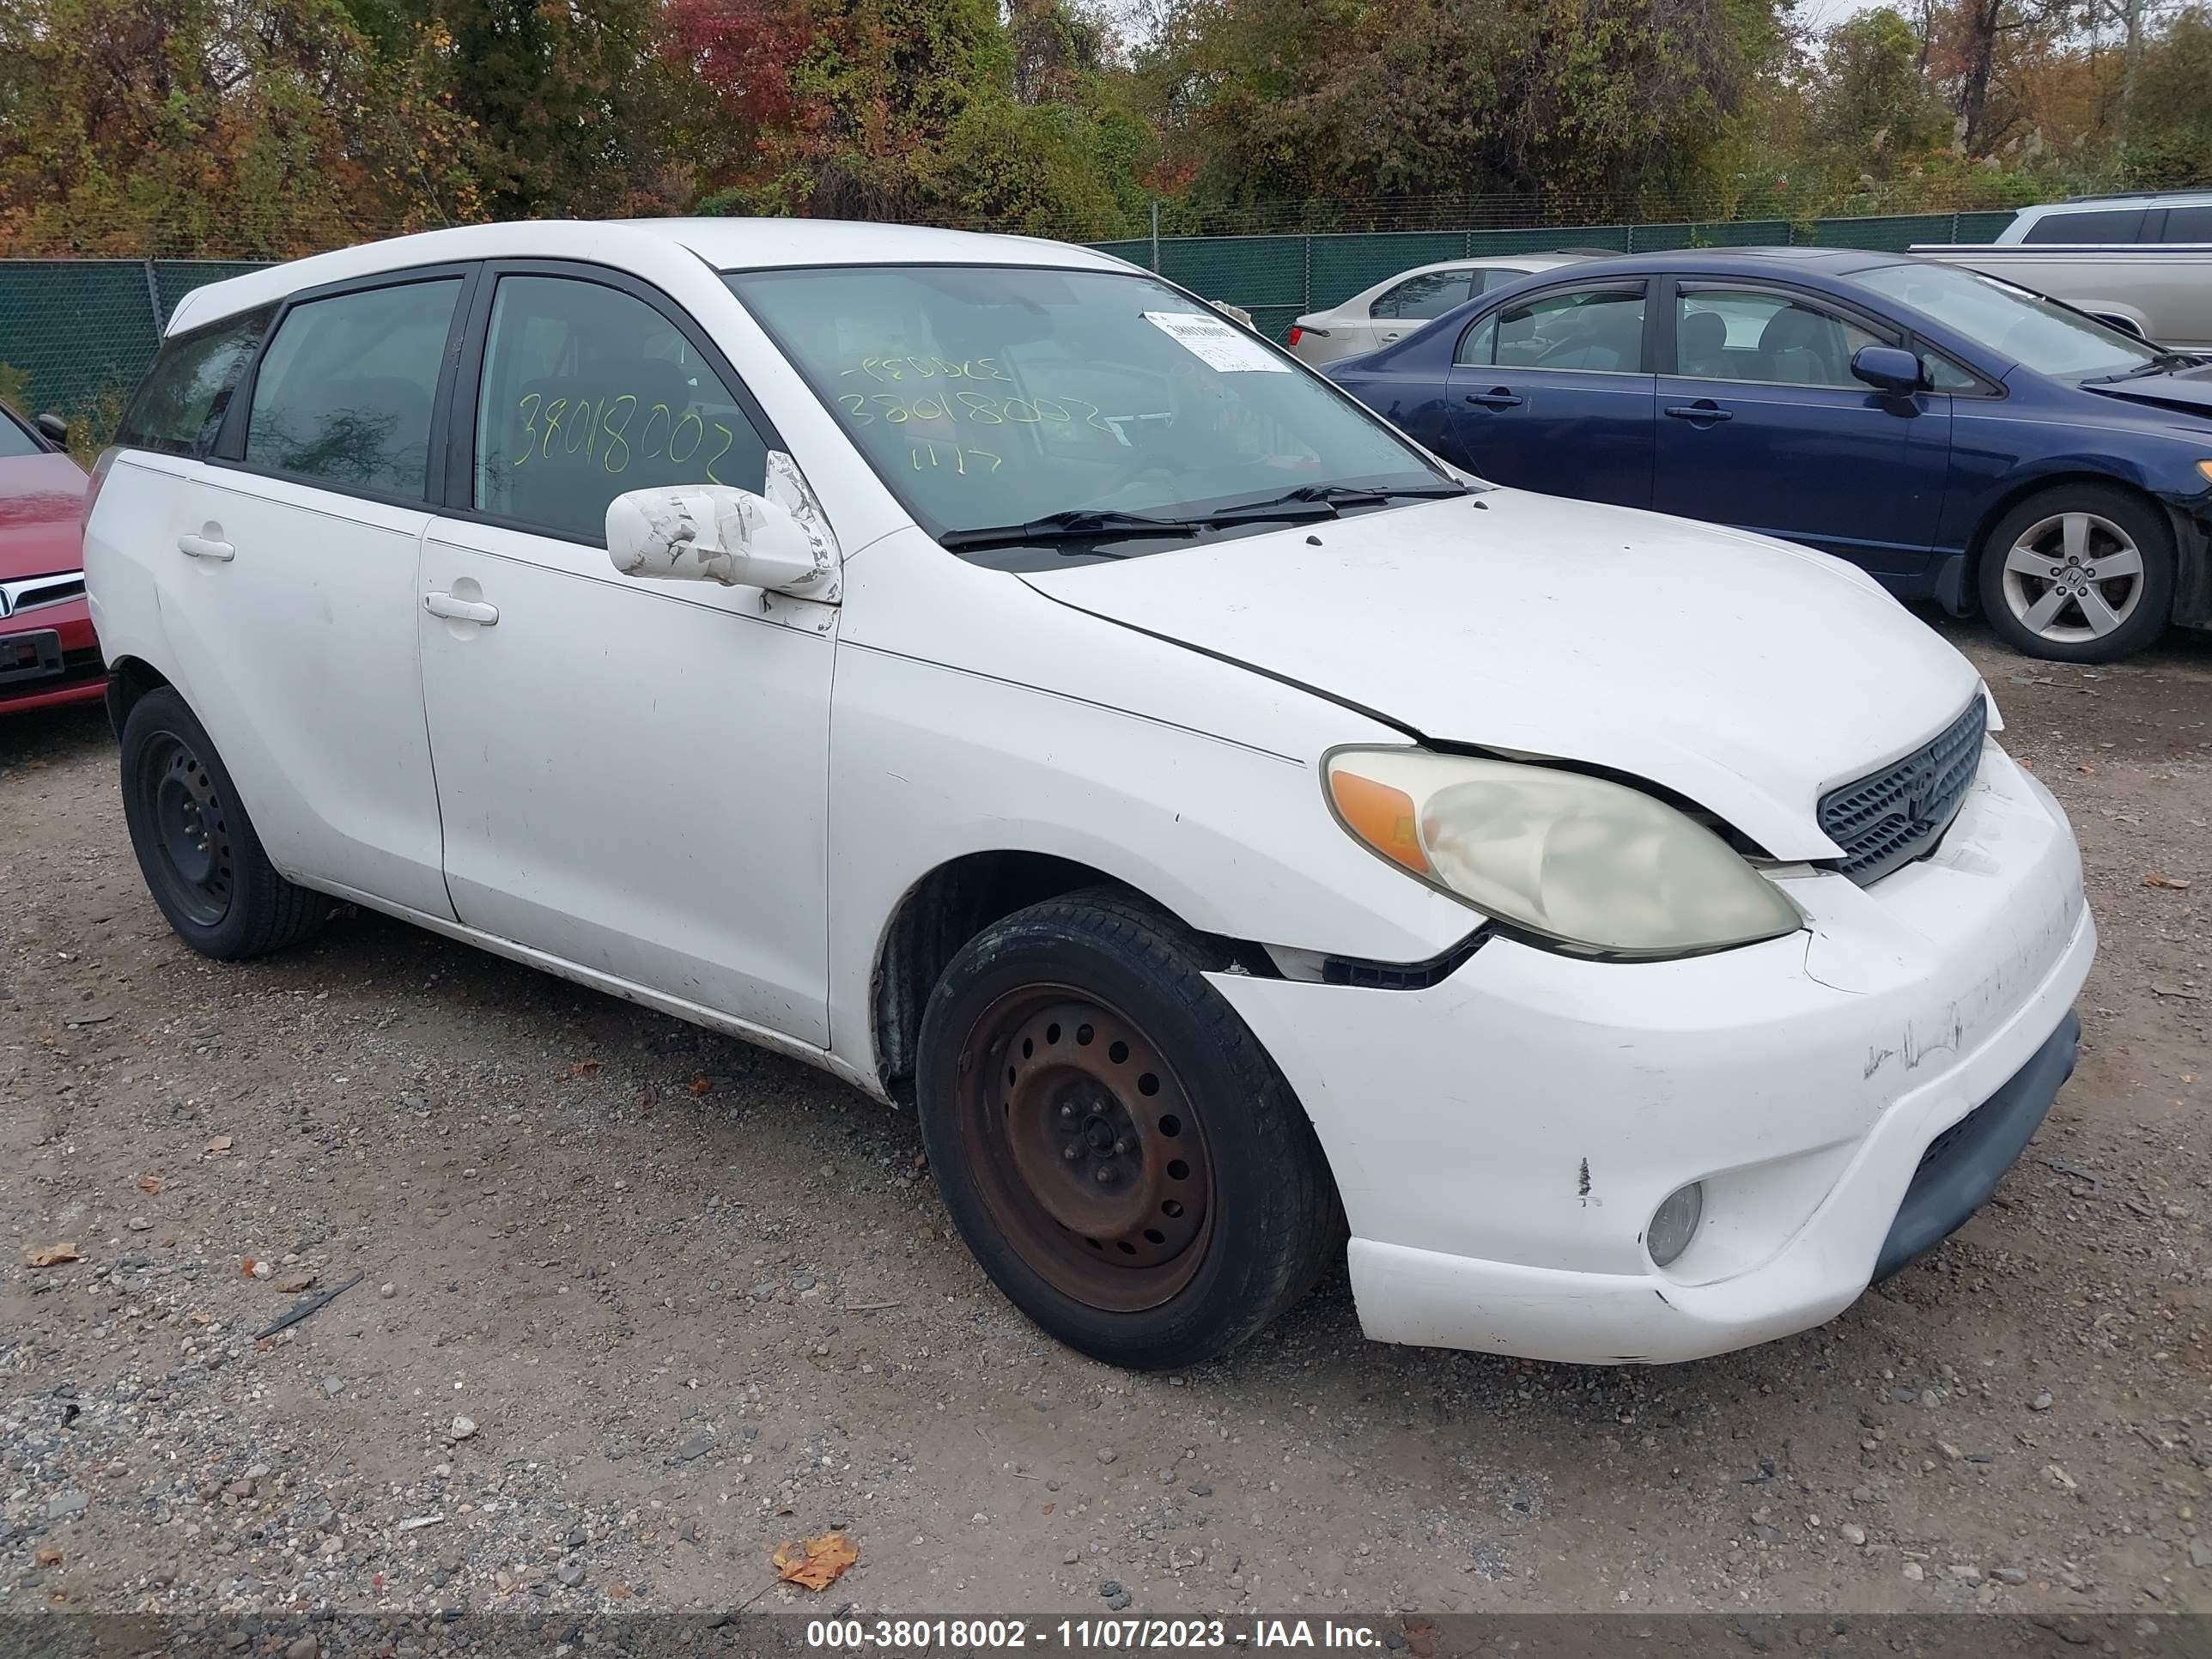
633	775
289	596
1763	426
1552	394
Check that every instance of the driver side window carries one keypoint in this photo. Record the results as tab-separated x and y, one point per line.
1430	295
588	391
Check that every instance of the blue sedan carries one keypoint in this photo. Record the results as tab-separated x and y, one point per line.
1962	439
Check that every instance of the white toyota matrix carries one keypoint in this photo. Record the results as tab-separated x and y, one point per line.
980	668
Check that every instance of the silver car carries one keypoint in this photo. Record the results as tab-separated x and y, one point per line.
1397	305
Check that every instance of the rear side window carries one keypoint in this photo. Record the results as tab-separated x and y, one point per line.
2189	224
2101	225
1431	294
181	403
344	392
589	391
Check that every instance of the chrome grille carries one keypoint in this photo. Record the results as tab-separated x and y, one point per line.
31	591
1893	816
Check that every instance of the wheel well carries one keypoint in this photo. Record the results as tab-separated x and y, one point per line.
1978	544
953	903
129	679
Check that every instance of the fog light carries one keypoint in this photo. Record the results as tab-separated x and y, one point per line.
1674	1223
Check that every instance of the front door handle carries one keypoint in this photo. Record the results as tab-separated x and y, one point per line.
205	547
457	609
1704	411
1497	397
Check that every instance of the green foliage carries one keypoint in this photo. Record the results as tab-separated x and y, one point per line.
1348	102
2170	132
1874	109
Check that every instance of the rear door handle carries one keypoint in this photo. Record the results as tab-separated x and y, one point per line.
1704	410
202	547
1497	398
475	610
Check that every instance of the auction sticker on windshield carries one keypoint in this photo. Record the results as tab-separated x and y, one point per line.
1215	342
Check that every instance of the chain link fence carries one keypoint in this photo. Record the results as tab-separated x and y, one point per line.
76	334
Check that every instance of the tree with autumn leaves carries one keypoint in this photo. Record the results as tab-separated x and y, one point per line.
260	128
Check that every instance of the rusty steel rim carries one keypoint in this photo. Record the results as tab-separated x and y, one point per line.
1088	1153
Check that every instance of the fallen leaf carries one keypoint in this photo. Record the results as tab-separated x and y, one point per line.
618	1591
149	1184
816	1563
583	1068
48	1556
247	1264
52	1255
2155	879
220	1145
699	1085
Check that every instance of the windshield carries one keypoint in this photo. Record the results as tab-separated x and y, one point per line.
2040	333
1000	396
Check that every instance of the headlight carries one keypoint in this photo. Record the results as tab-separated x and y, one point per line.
1591	865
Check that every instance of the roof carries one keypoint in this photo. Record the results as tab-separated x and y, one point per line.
1741	261
2129	199
725	244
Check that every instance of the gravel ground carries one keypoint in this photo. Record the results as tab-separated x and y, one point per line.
629	1304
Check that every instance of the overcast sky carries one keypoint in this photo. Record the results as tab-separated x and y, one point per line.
1819	13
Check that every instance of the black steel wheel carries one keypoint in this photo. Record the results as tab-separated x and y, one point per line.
197	848
191	834
1122	1156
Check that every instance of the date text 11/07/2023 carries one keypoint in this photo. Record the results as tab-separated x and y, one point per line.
1081	1635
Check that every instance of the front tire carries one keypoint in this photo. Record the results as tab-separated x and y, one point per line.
196	846
2080	573
1115	1147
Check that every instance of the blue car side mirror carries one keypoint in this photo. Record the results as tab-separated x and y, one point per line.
1888	368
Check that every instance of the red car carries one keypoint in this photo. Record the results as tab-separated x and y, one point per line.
47	652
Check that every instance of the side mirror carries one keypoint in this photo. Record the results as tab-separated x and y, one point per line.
1888	368
54	429
708	533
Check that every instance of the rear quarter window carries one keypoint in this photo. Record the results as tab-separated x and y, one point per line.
181	401
2099	225
2189	224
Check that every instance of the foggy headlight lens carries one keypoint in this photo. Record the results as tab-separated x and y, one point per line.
1581	861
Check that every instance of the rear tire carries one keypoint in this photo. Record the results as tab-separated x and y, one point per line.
196	846
1112	1143
2078	572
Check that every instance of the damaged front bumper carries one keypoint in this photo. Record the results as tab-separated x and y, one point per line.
1502	1138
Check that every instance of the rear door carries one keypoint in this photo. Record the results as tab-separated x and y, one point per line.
1553	392
1763	426
288	587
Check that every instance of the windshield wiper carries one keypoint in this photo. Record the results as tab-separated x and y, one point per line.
1322	501
1077	525
2165	362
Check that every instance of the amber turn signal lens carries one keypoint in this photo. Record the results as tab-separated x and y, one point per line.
2205	467
1382	817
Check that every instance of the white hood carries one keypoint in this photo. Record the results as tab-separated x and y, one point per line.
1747	675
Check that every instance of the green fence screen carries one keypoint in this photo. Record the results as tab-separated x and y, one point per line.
77	334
